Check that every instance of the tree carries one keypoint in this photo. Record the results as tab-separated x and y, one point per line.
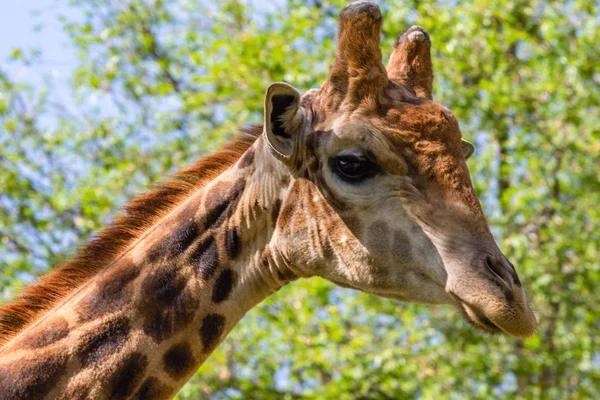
174	79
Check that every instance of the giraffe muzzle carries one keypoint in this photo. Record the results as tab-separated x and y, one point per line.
491	297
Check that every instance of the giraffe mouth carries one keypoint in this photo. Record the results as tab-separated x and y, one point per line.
477	319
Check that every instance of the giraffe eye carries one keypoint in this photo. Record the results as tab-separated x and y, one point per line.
353	167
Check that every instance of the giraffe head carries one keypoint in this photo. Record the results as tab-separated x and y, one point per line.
382	200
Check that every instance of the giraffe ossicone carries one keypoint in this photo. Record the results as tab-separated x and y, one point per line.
362	181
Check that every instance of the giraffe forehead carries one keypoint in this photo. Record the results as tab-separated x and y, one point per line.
428	137
397	117
347	133
410	124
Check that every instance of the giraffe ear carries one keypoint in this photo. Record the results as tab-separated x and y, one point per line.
467	149
282	118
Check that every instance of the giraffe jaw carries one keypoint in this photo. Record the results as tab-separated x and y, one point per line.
474	316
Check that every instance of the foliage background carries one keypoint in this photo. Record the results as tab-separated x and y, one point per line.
171	80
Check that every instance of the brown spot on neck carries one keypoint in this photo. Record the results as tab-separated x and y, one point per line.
221	201
102	342
224	285
247	159
169	301
178	360
153	389
127	375
31	378
211	330
47	333
176	242
205	258
76	392
112	291
275	212
233	243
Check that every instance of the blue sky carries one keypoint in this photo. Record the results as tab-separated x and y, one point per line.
18	21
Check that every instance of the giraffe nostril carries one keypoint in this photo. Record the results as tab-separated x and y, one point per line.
499	269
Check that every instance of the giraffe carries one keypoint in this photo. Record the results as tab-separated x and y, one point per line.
362	182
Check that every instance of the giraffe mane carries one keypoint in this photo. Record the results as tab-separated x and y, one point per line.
140	214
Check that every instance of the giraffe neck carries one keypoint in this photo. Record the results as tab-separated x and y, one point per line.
150	319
